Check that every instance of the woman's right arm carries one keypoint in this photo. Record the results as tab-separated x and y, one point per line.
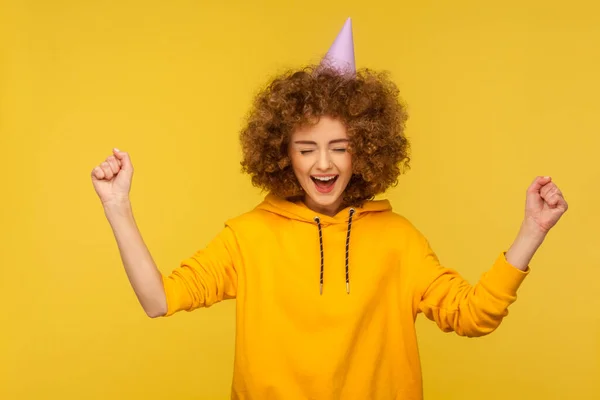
200	280
112	181
143	275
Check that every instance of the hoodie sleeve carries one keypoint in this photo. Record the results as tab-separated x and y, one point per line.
207	277
444	297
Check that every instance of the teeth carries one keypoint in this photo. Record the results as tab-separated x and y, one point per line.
323	178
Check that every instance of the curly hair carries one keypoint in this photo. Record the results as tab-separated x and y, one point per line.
366	103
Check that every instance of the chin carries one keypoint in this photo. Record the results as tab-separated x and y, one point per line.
324	201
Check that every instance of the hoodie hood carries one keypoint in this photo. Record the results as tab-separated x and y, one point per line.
300	212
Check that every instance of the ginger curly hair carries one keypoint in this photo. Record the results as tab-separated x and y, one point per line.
366	103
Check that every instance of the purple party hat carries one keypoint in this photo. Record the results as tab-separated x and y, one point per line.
341	53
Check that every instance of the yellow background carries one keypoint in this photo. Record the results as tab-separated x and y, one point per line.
497	93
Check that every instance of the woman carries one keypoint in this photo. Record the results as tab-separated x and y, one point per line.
328	281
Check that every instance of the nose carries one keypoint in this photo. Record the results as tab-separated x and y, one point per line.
324	162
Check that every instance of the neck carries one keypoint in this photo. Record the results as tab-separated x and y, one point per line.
329	210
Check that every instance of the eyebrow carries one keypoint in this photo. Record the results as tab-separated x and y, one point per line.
311	142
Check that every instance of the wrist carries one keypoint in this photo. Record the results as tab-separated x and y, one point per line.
117	207
528	240
531	232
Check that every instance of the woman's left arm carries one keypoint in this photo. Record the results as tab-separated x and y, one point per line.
443	296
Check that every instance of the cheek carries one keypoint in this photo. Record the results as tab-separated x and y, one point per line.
298	164
347	164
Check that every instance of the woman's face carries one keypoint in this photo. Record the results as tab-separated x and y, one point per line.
322	164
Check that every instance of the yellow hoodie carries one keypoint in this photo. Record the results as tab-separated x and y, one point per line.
356	339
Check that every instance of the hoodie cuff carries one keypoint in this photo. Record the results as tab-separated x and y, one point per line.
506	277
168	296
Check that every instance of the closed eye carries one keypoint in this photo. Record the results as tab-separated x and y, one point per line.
305	151
340	150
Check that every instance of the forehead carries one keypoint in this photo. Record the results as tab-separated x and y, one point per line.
326	129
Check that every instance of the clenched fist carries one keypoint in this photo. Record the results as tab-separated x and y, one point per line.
545	203
112	178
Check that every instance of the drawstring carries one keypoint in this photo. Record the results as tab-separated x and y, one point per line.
348	249
318	221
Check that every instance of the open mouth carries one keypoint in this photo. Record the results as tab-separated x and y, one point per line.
324	184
